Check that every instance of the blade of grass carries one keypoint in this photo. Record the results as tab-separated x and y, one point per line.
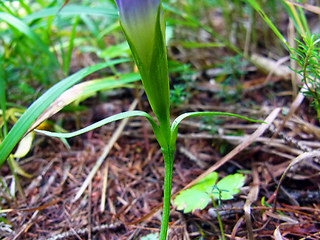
25	6
5	8
67	60
63	5
306	6
113	118
263	15
25	29
300	27
72	10
177	121
3	103
33	112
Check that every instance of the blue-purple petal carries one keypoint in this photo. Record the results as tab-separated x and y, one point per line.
138	19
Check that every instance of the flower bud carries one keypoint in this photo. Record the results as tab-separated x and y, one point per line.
144	26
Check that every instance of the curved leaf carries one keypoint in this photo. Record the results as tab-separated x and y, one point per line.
229	186
105	121
176	122
206	184
72	10
191	199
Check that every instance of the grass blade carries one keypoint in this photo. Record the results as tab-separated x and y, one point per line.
66	61
100	123
176	122
263	15
25	29
3	103
72	10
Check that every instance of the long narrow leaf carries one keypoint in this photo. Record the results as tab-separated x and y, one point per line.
33	112
72	10
67	60
3	100
105	121
263	15
177	121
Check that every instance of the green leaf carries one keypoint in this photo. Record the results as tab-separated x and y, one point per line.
3	101
199	195
105	121
72	10
206	184
151	59
191	199
228	186
34	111
176	122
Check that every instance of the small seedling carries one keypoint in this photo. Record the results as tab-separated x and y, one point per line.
199	195
308	59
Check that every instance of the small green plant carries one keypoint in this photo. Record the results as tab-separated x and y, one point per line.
200	194
306	54
178	95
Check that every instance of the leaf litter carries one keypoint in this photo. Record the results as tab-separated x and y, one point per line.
134	184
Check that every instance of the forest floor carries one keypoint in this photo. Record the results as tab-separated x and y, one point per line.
123	198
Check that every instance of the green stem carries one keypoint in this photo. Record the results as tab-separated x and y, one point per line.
219	219
168	166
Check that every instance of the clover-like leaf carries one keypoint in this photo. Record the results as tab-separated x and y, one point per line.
206	184
199	195
190	200
228	186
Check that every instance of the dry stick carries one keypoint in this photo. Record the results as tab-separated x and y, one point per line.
83	231
235	228
251	198
26	226
246	142
301	157
104	187
89	211
295	104
105	152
